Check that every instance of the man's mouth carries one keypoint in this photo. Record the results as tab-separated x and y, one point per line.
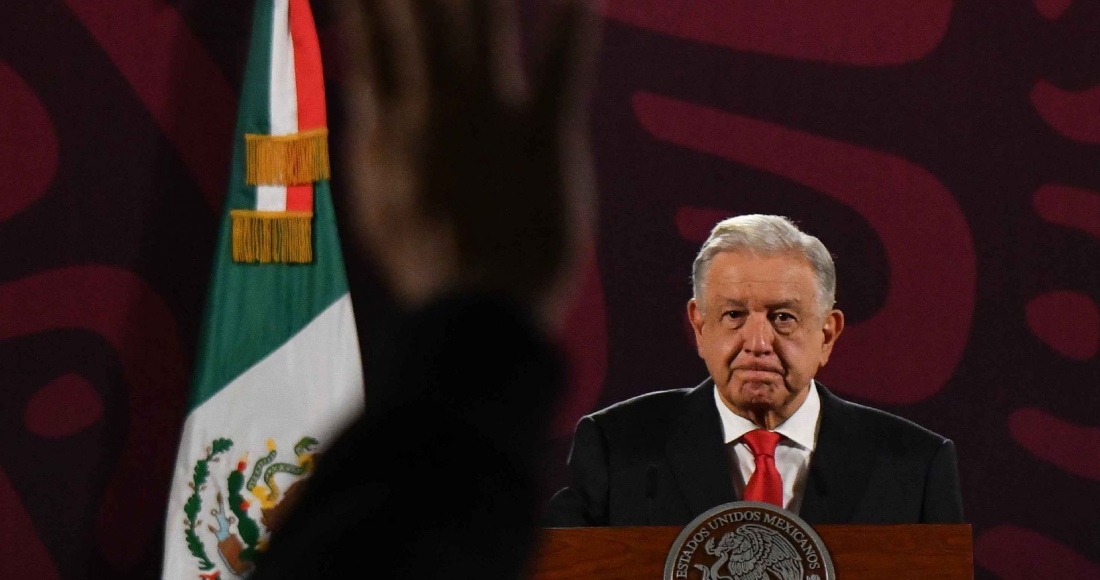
758	369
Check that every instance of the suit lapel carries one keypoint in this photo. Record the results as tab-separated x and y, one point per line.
697	455
840	467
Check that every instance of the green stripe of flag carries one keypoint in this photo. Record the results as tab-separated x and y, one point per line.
252	309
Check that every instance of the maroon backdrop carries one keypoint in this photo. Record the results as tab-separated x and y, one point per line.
947	152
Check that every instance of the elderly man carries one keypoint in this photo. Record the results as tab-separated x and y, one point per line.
760	428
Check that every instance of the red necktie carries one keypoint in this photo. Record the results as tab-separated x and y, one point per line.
765	484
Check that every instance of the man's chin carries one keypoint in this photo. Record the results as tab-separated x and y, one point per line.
759	394
754	388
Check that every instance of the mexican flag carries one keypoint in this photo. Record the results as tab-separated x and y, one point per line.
277	374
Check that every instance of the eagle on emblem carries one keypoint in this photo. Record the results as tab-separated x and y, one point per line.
752	552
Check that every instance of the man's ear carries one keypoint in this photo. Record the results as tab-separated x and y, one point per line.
832	326
696	318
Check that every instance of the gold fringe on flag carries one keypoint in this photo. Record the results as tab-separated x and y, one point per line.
272	236
286	159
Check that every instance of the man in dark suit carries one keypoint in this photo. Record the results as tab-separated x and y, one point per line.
760	428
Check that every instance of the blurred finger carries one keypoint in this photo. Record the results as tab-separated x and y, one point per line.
405	36
361	80
366	44
446	43
383	40
482	23
498	50
566	70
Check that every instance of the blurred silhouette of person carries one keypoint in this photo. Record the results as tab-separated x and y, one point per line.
761	427
471	193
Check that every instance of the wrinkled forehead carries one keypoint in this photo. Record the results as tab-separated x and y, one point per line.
748	266
738	278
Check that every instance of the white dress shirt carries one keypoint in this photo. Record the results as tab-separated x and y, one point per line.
792	455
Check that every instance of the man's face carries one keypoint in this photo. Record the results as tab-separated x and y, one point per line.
760	329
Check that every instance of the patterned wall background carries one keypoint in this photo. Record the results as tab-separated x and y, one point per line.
948	152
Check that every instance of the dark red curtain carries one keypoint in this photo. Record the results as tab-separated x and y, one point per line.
947	152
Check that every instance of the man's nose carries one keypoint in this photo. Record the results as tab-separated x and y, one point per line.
759	335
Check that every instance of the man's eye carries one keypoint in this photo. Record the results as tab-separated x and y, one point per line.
733	314
784	317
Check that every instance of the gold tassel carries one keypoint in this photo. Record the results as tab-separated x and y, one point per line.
287	159
272	236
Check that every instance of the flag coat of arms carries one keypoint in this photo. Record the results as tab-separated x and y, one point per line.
277	374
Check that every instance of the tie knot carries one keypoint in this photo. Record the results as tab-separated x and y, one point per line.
762	442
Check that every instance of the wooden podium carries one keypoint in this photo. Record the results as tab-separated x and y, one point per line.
894	552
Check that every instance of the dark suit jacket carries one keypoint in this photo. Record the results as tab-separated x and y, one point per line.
659	459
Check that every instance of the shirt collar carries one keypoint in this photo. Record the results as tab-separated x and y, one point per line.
800	428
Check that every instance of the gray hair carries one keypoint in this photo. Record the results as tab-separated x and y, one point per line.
767	235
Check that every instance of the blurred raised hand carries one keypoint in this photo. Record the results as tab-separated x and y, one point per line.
466	172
